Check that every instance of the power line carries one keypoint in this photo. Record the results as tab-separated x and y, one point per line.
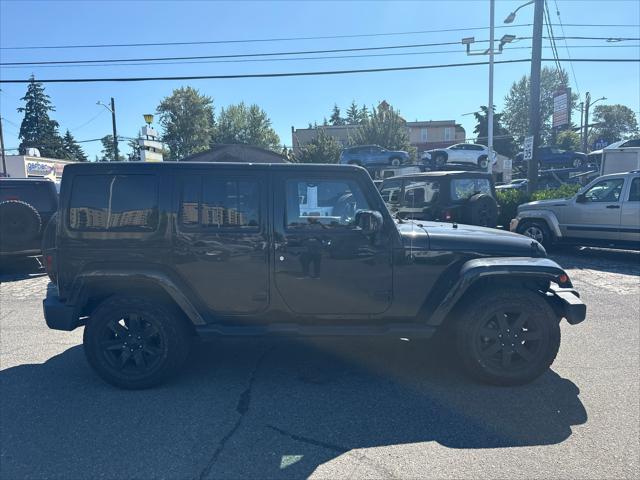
330	57
305	74
272	54
288	39
552	40
573	72
88	121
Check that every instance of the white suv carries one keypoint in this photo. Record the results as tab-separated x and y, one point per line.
470	153
605	213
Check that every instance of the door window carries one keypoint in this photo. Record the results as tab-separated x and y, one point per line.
114	203
219	203
634	192
605	191
321	204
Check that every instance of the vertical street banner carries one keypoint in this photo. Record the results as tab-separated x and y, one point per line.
561	107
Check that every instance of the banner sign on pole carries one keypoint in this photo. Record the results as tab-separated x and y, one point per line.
561	107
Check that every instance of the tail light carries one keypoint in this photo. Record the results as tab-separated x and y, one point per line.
49	267
447	215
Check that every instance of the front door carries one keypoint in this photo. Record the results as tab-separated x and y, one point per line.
324	264
630	213
598	216
221	243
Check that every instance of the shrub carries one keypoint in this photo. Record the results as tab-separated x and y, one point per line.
564	191
510	199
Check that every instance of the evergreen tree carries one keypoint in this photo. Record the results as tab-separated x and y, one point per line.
108	152
353	114
134	153
37	129
72	150
384	127
503	142
335	118
364	114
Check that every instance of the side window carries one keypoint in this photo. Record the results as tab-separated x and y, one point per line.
464	188
114	203
418	193
634	193
217	202
605	191
390	192
321	204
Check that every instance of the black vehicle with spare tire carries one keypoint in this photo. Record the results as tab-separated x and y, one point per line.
447	196
26	206
149	257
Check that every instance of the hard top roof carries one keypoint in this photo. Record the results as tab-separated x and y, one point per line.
453	173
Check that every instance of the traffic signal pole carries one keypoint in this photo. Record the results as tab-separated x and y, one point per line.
534	94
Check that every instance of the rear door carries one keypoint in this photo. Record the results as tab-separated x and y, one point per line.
220	246
630	213
598	218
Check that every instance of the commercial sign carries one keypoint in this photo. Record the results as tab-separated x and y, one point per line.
39	168
561	107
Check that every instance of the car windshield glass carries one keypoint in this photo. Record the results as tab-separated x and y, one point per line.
464	188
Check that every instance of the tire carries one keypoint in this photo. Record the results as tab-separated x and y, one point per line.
395	162
20	223
577	162
439	160
536	229
483	162
482	210
161	337
508	337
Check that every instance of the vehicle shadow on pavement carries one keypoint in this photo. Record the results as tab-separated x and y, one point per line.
15	269
267	409
613	261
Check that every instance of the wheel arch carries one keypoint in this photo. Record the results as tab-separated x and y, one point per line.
549	218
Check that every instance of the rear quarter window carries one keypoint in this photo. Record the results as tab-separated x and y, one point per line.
465	188
104	203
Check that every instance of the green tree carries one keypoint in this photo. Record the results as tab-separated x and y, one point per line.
108	152
134	152
386	128
353	114
613	123
72	149
335	118
568	140
37	129
246	125
364	114
187	121
502	140
322	149
516	104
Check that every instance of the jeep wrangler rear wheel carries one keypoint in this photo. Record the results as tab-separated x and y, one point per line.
507	338
134	343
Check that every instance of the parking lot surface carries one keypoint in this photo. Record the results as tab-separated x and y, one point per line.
256	408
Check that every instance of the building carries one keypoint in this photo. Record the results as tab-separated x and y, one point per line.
236	153
424	135
34	166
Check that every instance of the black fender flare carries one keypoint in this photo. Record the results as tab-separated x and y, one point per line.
439	152
84	281
480	268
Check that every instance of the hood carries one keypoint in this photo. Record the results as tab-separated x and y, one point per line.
560	202
468	238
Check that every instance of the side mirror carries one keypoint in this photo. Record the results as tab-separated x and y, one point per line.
369	221
580	198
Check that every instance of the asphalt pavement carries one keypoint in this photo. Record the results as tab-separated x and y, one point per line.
327	409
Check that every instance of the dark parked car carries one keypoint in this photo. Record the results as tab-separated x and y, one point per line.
369	155
463	197
149	256
556	157
26	206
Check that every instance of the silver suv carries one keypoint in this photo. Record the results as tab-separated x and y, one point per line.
605	213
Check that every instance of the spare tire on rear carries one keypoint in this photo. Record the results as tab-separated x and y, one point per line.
482	210
19	223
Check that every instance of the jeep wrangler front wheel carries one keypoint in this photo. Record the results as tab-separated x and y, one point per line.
507	337
134	343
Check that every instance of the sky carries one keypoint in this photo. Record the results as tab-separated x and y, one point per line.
430	94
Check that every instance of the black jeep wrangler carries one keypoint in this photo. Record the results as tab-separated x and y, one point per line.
26	206
455	196
149	256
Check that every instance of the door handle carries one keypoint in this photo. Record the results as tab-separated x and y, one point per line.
613	206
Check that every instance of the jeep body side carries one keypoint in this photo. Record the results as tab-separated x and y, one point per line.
242	249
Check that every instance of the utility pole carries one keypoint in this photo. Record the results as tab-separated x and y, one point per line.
585	127
582	125
115	134
534	94
4	160
490	111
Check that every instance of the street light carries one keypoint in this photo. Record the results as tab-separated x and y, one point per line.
512	15
584	131
112	109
